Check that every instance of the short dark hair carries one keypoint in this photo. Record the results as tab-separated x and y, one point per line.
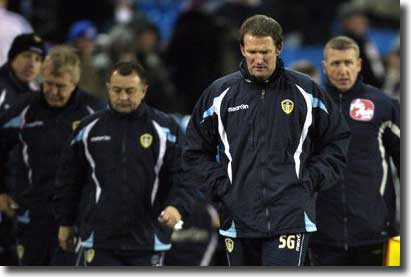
342	43
262	25
128	68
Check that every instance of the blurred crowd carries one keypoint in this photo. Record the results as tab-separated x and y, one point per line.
186	44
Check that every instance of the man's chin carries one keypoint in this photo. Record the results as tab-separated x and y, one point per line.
261	76
55	104
123	109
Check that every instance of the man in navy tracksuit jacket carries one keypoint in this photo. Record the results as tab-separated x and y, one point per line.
356	216
122	166
23	66
39	127
278	140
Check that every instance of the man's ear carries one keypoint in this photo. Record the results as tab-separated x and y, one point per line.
242	50
145	88
360	63
279	48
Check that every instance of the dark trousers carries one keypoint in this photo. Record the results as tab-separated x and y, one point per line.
111	257
8	255
285	250
367	255
37	243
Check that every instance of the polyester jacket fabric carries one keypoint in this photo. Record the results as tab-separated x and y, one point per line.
39	132
265	149
123	168
361	208
11	89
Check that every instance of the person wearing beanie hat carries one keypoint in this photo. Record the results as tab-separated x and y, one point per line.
27	42
23	66
25	58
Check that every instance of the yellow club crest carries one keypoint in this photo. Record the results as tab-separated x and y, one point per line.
75	124
89	255
287	105
146	140
229	245
20	251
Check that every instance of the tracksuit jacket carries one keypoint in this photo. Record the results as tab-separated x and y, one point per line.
265	149
11	89
39	132
123	168
360	209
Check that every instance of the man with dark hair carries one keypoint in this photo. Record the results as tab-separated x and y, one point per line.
118	179
356	216
278	140
39	126
355	25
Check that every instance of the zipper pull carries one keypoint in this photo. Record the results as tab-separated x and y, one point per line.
262	94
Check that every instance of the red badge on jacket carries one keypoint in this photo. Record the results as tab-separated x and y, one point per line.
362	109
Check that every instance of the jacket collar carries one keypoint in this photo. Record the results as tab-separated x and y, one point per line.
139	112
72	103
351	93
279	69
19	86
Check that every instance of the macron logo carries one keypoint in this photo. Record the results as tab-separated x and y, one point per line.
237	108
101	138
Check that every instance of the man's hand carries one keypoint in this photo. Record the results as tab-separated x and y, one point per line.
8	205
170	216
67	239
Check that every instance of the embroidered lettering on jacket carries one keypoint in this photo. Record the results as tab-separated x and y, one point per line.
100	138
237	108
34	124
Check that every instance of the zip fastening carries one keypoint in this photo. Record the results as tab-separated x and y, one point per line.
343	194
262	95
267	212
341	98
126	220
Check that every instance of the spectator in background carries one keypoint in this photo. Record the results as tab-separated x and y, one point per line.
12	25
161	94
194	58
392	82
307	67
357	216
82	36
117	45
354	24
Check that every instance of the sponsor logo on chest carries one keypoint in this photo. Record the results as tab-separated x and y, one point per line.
362	109
100	138
34	124
237	108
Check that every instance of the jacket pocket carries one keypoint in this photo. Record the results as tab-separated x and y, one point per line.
221	188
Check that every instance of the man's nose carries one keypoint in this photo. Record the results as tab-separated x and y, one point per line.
343	69
123	95
52	89
32	60
259	58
